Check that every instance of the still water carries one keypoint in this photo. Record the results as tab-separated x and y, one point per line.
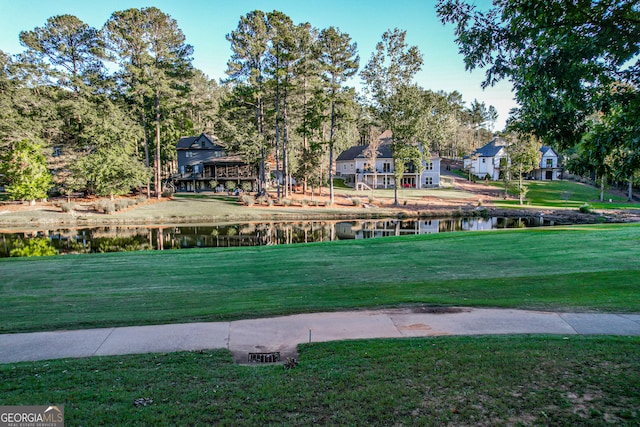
132	238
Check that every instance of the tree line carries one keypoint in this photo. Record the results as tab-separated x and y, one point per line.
100	110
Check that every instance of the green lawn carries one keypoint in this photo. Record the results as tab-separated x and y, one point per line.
519	380
572	268
568	194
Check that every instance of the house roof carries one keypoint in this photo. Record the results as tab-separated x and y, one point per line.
358	151
545	148
492	148
186	143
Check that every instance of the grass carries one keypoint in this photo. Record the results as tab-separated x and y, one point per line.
568	194
520	380
574	268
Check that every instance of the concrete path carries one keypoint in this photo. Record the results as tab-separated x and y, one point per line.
283	334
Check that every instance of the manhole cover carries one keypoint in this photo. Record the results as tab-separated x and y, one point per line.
272	357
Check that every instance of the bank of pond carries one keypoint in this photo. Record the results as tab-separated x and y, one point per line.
164	237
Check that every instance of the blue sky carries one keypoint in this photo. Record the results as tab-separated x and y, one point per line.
206	22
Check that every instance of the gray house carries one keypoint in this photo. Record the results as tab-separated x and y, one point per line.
204	165
354	165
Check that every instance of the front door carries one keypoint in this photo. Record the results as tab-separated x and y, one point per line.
549	175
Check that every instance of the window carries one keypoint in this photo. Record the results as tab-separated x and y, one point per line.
549	163
386	167
189	154
429	180
430	166
483	160
352	166
344	167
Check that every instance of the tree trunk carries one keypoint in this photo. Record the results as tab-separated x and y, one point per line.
602	189
630	189
156	181
333	123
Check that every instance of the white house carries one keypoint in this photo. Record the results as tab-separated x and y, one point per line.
548	169
354	165
486	161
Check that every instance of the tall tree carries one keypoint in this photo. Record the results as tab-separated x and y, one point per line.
74	51
249	44
388	76
339	61
155	63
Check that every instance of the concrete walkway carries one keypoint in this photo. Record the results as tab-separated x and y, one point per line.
283	334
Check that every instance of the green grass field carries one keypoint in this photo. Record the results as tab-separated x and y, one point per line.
573	268
492	381
568	194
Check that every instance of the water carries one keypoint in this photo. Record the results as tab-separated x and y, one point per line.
131	238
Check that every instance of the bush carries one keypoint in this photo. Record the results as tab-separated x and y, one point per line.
167	192
106	206
356	201
246	186
586	208
286	202
247	199
371	199
141	199
67	207
230	185
122	204
304	202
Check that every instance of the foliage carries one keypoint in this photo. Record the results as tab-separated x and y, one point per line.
111	172
574	66
33	247
25	170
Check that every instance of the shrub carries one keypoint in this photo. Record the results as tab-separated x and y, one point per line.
269	202
586	208
246	186
304	202
356	201
167	192
371	199
230	185
122	204
247	199
106	206
286	202
67	207
141	199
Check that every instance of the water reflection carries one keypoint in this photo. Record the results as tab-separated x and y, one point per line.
122	238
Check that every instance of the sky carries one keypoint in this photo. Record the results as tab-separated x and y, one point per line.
205	23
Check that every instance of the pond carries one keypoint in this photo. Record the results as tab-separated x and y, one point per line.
132	238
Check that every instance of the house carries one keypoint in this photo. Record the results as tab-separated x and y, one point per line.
548	169
486	161
356	168
204	165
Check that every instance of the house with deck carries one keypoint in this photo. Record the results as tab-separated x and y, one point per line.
489	160
358	169
205	165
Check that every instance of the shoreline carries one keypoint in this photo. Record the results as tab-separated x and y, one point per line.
46	216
